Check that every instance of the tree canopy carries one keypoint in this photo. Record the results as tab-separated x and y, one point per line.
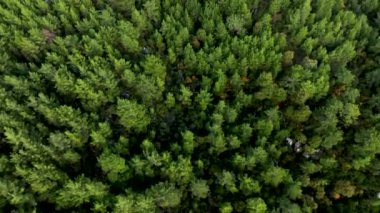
189	106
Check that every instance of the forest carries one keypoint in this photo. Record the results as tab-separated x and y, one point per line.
139	106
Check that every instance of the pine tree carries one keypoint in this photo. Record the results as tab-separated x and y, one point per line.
189	106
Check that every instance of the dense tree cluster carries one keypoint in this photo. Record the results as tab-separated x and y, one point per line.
189	106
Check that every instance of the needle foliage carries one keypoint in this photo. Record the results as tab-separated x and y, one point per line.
189	106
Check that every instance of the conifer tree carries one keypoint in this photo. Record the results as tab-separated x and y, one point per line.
189	106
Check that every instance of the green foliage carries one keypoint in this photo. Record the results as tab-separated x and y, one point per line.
112	165
200	189
189	106
82	190
256	205
132	115
275	176
166	195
